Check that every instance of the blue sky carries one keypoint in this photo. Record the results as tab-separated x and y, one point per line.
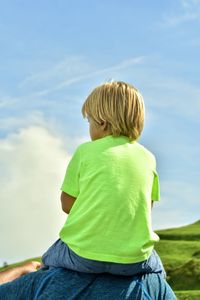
52	55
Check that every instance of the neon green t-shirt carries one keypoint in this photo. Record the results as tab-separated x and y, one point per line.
114	181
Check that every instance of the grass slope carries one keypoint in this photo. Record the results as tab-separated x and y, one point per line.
186	233
188	295
179	249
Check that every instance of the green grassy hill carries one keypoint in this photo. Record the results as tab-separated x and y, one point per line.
186	233
179	249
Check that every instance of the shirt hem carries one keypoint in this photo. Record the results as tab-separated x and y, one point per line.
69	191
110	258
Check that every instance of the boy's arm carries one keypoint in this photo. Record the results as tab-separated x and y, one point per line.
67	202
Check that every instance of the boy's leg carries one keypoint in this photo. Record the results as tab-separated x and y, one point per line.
60	255
56	255
152	265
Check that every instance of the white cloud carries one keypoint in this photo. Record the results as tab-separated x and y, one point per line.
33	164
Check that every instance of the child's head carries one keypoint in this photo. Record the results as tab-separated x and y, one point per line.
115	108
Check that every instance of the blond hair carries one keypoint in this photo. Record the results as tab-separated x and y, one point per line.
120	105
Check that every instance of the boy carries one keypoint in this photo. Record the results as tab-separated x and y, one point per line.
108	190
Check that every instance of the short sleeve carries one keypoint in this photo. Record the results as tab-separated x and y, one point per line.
155	193
71	181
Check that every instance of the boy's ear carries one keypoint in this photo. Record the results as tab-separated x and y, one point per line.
104	125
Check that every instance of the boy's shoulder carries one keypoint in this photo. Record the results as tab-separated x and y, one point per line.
146	151
84	147
93	144
88	146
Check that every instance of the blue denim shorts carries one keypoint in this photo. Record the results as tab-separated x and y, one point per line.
60	255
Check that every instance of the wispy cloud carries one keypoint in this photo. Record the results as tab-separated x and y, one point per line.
68	67
162	91
86	73
175	20
6	101
189	4
187	11
12	123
